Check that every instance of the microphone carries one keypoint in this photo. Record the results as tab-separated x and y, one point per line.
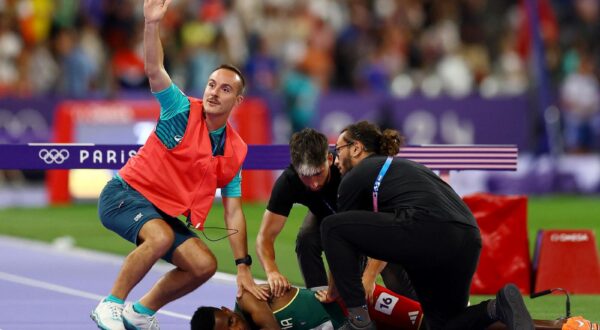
534	295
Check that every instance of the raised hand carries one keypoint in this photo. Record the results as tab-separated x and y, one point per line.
154	10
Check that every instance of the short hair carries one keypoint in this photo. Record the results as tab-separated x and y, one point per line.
308	150
237	71
204	318
386	143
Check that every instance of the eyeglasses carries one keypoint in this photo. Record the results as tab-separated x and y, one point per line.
337	149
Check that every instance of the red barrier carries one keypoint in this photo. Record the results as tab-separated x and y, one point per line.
253	122
505	253
567	259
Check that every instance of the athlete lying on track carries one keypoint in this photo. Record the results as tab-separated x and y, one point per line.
301	309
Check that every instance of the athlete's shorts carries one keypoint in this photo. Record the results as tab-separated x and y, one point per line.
124	210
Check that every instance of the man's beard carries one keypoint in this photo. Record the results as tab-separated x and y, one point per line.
347	165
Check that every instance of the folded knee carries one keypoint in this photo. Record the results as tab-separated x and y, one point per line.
204	268
160	242
327	224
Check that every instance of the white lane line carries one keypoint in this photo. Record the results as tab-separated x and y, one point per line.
97	256
69	291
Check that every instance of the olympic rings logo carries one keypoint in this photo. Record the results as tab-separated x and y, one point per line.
54	156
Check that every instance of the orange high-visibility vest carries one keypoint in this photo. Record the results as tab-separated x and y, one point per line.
183	180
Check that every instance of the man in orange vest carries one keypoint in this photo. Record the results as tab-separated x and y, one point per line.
192	152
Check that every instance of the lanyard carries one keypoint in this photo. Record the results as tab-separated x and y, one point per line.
219	145
328	206
382	172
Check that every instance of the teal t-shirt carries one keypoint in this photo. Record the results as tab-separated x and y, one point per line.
174	114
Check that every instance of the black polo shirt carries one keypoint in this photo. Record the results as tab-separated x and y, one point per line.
408	187
288	189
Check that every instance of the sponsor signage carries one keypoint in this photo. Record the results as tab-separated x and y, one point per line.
440	120
51	156
568	259
26	120
67	156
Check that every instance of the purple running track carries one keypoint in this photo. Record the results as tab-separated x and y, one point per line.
50	287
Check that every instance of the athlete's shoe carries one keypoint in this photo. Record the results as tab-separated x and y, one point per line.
511	309
348	325
136	321
107	315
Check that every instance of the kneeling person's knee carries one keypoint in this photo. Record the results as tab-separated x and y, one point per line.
204	266
327	224
307	240
160	238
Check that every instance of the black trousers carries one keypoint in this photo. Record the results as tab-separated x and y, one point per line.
439	258
309	252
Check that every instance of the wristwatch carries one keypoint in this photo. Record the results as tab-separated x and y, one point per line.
245	260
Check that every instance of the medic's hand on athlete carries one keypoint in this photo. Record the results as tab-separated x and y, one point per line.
278	283
246	282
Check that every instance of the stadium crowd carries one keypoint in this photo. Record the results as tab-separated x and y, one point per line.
299	49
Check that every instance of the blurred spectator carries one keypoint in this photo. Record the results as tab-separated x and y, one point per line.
235	37
300	95
580	94
353	44
508	72
11	46
201	45
39	70
77	69
455	47
128	63
262	68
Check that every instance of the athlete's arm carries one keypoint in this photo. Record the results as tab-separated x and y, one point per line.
154	11
234	218
270	227
259	311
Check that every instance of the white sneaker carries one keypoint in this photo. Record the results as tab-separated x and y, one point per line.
136	321
107	315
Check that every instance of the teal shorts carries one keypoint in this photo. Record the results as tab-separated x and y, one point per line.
124	210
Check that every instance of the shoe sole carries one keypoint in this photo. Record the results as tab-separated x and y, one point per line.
520	320
128	325
95	319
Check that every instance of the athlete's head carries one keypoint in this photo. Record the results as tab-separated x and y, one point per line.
212	318
359	140
224	90
311	158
